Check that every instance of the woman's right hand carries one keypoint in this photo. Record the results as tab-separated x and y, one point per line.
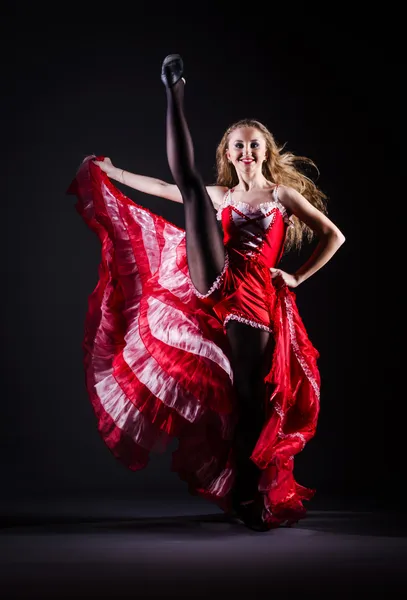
106	165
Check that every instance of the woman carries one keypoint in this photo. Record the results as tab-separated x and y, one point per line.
195	334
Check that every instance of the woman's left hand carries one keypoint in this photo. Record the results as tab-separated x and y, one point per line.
287	278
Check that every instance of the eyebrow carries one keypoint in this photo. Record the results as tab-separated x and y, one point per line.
254	140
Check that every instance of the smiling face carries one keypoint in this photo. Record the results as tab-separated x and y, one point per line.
246	150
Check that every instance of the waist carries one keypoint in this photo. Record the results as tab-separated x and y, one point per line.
251	257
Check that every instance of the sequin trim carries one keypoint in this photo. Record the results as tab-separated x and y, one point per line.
296	348
279	410
216	284
236	317
297	434
228	201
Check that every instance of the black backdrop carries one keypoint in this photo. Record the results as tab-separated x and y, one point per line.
327	86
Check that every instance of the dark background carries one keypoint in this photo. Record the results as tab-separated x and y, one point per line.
327	85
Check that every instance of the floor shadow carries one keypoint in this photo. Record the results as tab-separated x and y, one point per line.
375	523
190	526
341	522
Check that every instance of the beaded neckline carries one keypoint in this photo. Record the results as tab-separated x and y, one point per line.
275	203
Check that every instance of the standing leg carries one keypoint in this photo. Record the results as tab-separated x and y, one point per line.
252	350
204	241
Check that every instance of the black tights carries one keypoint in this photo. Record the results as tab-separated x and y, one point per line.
251	355
250	347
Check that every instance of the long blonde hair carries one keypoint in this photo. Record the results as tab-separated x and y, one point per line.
280	168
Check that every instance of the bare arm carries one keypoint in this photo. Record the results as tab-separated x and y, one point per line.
330	237
153	186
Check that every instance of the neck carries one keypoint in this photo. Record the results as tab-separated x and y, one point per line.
256	181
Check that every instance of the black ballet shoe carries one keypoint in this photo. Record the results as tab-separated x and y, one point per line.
253	520
250	514
172	70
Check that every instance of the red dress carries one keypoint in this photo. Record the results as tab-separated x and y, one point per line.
156	354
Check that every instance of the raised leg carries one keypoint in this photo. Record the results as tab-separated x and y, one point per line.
204	240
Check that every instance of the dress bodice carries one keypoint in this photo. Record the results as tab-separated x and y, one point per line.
254	233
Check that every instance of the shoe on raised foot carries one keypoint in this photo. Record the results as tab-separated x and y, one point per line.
172	70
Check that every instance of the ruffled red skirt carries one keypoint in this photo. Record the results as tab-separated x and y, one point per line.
156	360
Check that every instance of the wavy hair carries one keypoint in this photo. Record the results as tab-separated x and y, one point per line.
282	168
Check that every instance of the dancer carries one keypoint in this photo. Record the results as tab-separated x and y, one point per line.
195	334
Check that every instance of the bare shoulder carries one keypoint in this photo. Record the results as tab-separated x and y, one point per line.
296	204
288	196
216	194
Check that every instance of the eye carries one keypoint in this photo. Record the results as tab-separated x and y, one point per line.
238	145
254	144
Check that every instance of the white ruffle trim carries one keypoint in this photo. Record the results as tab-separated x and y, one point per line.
235	317
216	284
249	208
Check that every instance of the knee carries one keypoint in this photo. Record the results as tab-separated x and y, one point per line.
250	396
243	388
190	184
